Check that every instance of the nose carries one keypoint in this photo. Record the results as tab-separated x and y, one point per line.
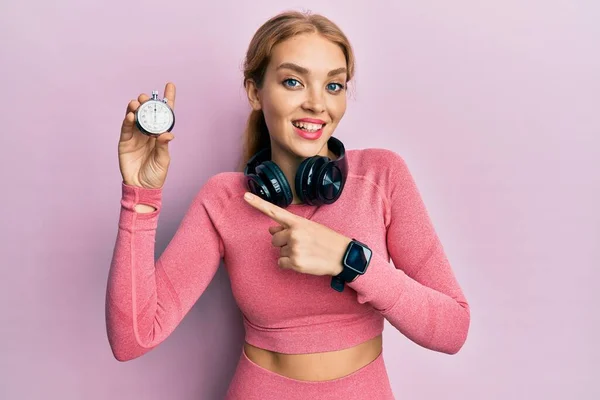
314	101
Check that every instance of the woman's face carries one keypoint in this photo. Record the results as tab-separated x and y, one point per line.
303	96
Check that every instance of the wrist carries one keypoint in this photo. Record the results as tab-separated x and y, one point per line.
339	256
339	268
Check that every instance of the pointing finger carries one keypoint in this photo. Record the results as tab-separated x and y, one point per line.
277	214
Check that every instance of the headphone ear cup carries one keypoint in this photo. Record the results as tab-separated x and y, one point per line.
257	186
307	179
329	183
277	182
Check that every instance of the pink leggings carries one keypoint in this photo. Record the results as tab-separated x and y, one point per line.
253	382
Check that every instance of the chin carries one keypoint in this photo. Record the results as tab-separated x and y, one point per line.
307	148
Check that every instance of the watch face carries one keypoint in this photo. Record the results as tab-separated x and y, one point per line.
155	117
358	257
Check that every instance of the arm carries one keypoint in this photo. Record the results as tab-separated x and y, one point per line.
421	296
145	301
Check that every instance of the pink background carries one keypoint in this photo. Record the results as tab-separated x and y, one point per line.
493	104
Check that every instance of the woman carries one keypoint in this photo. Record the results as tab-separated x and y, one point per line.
308	256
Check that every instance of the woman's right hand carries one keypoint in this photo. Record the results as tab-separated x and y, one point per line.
144	160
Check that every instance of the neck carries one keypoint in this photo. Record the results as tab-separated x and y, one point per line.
289	163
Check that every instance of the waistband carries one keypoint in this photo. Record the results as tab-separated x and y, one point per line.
253	382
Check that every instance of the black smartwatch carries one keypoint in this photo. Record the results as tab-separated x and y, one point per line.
355	262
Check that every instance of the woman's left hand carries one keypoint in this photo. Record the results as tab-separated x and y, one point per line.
305	246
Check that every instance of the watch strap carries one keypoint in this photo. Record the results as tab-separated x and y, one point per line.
337	284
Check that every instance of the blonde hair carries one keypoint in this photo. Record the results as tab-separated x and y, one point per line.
277	29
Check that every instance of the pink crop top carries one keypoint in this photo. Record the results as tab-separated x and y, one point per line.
283	310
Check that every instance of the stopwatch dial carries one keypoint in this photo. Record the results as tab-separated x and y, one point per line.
155	117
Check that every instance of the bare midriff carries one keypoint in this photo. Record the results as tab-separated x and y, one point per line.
316	366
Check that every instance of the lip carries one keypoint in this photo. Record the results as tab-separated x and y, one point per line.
308	135
311	121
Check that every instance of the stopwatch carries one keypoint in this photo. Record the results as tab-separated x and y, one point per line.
154	117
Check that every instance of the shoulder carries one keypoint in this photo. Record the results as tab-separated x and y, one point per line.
220	189
226	183
375	157
383	167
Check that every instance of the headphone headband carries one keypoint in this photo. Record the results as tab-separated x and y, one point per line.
334	144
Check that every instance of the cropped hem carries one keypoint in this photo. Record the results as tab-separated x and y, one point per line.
338	335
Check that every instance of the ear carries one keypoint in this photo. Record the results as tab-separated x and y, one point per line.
253	94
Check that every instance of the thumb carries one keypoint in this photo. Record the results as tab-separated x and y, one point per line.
164	138
162	146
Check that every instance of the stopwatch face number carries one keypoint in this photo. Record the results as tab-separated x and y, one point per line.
155	117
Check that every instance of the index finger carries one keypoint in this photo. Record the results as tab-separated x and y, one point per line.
277	214
170	94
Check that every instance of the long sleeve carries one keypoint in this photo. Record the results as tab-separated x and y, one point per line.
420	296
146	300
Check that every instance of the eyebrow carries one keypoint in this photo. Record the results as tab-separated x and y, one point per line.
302	70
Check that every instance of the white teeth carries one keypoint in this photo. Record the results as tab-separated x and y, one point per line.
307	126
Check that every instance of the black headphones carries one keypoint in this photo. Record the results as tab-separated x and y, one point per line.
319	180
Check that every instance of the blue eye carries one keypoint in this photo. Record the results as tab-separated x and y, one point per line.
294	83
285	82
334	86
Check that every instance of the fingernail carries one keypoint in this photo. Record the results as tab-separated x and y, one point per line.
248	196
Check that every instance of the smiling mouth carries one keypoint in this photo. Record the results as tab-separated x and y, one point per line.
307	126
